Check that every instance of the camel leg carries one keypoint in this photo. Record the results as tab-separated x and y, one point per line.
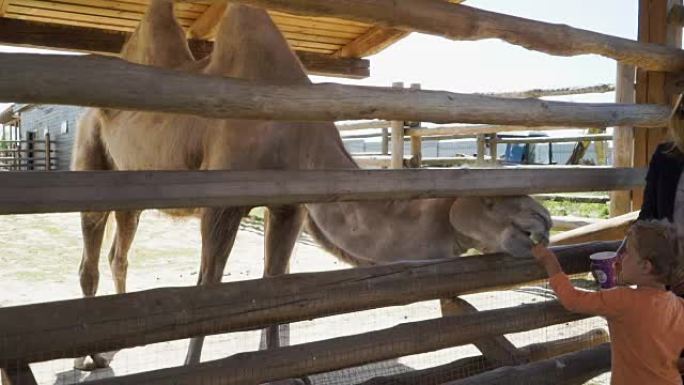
219	227
126	226
92	227
283	225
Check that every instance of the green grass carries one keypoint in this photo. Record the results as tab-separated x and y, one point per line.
588	210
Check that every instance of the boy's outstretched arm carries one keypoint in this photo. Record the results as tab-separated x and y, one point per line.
607	302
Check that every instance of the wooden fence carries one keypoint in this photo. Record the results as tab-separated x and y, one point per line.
28	155
64	329
76	327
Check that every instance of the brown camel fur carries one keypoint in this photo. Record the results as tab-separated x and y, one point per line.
249	46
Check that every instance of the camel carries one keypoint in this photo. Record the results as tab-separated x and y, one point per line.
249	46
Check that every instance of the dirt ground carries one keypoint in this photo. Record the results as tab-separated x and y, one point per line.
39	257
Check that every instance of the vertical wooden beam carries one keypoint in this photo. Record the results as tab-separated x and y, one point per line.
3	7
385	142
416	140
17	375
494	349
650	85
206	24
623	138
48	156
480	149
397	138
493	150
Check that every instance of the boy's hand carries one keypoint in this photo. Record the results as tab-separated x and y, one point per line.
541	252
547	259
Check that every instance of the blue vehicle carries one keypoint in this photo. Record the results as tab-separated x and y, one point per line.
525	153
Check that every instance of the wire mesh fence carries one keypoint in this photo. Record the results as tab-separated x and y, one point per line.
40	263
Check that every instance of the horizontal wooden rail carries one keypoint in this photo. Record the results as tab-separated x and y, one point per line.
363	125
76	327
541	92
107	190
571	368
568	222
558	139
113	83
465	130
470	366
461	22
322	356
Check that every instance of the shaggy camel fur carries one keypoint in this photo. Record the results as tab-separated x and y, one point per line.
249	46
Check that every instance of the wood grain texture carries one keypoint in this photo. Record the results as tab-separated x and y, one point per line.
82	326
127	190
466	23
112	83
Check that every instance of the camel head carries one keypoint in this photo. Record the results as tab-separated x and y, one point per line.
501	224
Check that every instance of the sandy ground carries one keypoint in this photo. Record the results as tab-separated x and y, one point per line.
39	257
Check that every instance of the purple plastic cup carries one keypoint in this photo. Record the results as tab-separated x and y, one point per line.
602	267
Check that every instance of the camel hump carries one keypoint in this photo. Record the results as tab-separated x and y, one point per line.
159	39
250	46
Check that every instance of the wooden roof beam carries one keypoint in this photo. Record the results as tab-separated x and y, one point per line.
461	22
206	25
95	40
371	42
3	6
375	40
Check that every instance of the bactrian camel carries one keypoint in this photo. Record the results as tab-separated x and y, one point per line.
249	46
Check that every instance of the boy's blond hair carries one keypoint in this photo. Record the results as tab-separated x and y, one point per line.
661	243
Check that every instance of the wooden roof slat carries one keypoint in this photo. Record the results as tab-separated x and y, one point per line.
315	31
313	44
316	38
117	6
313	23
110	27
321	19
106	20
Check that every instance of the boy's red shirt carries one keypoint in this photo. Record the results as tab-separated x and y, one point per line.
646	329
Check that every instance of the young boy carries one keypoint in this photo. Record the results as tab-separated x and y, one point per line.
646	323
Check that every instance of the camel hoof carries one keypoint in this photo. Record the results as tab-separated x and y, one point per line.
97	361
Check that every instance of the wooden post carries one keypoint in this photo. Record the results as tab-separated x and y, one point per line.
416	140
48	158
397	138
493	150
650	85
623	138
495	349
17	375
30	146
385	142
480	149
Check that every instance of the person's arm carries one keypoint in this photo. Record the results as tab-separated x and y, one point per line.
609	303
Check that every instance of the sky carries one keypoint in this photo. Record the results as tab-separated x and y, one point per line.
495	66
